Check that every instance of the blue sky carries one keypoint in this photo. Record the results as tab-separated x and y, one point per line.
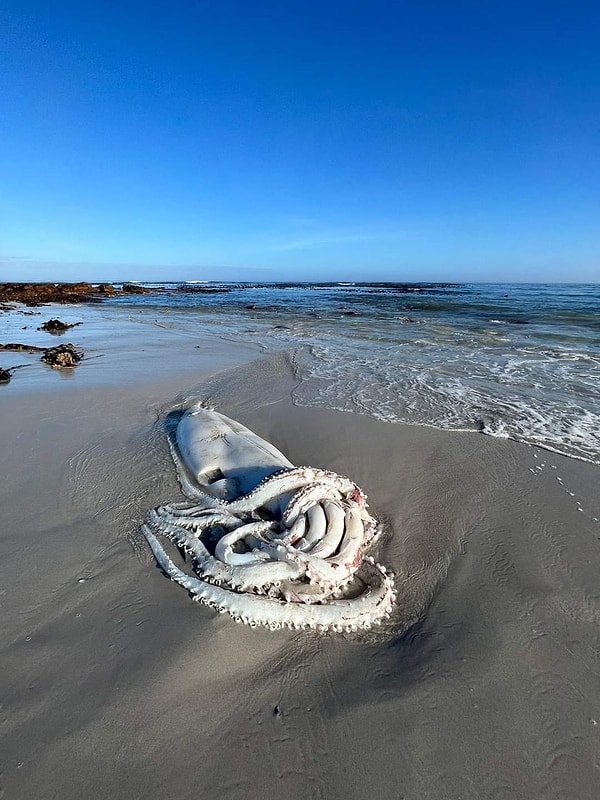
300	140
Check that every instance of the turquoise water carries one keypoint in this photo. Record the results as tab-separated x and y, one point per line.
517	361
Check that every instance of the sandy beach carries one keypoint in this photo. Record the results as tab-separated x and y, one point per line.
485	683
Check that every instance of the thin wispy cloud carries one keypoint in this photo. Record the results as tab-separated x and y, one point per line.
326	238
303	222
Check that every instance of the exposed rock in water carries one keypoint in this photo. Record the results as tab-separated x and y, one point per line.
65	355
134	288
34	294
56	326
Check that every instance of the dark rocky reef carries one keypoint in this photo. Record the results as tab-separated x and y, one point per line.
34	294
133	288
185	288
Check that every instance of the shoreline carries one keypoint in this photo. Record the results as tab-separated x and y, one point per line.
485	680
521	364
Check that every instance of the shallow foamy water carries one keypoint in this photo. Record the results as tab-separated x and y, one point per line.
521	362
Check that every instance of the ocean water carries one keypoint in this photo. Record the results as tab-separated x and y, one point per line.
516	361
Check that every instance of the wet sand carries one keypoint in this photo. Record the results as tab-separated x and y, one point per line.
486	683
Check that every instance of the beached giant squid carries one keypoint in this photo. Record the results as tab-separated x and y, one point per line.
269	543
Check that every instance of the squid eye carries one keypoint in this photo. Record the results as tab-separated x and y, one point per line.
212	475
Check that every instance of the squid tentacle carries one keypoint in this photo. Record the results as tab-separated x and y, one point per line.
340	615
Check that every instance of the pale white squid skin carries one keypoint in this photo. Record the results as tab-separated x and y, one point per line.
270	544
